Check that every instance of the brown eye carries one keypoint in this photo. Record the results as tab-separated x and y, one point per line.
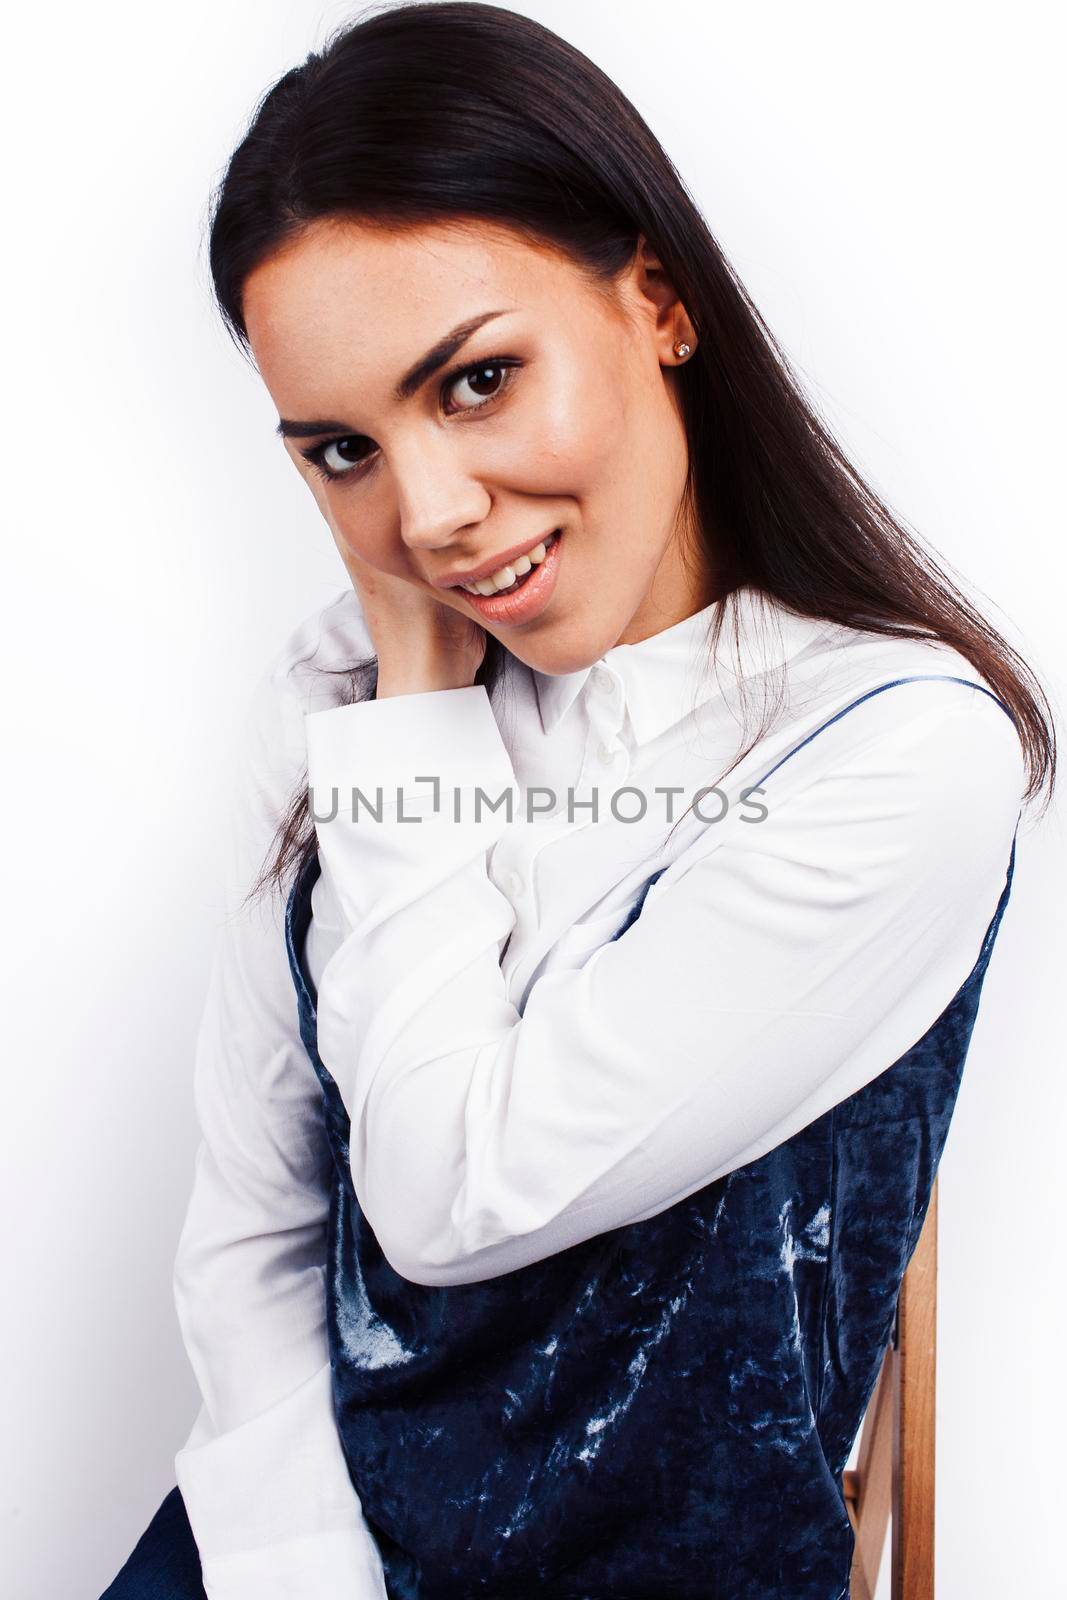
350	452
486	381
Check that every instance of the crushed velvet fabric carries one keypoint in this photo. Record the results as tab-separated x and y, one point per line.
663	1412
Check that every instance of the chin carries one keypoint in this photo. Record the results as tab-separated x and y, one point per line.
562	650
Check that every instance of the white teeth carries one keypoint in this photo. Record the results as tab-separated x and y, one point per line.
504	577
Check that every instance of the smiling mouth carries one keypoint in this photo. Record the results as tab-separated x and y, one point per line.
513	574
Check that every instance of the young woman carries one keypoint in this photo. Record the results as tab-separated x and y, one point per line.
570	1115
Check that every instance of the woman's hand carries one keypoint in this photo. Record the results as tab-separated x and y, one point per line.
421	643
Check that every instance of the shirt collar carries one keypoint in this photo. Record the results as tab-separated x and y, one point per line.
669	674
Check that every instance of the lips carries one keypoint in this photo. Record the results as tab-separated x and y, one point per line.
513	606
486	570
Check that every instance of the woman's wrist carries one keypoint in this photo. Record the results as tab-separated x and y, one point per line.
421	677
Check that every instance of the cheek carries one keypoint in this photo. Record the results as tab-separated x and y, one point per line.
376	540
576	440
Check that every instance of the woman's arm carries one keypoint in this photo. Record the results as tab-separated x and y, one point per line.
775	972
262	1475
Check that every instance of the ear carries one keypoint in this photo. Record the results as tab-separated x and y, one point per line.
658	299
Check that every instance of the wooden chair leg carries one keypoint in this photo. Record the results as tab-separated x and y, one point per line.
914	1419
895	1471
869	1489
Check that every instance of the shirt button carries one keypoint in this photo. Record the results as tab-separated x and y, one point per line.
604	681
514	885
609	752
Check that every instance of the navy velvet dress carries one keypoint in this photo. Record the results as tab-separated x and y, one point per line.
662	1412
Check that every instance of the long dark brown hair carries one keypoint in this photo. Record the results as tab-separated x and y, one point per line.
429	112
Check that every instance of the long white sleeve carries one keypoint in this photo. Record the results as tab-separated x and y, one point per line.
775	969
262	1475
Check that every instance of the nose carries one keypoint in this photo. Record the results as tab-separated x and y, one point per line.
437	498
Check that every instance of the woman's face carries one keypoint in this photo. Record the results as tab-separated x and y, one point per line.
559	412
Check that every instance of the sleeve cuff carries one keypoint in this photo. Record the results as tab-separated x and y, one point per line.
388	744
379	771
276	1487
318	1566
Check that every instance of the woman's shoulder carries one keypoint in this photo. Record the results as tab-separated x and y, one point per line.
839	665
883	704
862	656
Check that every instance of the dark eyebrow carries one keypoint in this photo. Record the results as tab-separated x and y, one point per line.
410	383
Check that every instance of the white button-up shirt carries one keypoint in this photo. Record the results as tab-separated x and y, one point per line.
519	1079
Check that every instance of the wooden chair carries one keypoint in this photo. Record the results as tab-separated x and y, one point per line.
895	1471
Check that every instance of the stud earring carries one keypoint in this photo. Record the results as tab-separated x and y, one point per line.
681	349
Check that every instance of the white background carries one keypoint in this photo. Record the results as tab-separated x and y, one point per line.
886	179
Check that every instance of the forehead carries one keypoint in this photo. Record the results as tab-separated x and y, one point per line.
389	293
